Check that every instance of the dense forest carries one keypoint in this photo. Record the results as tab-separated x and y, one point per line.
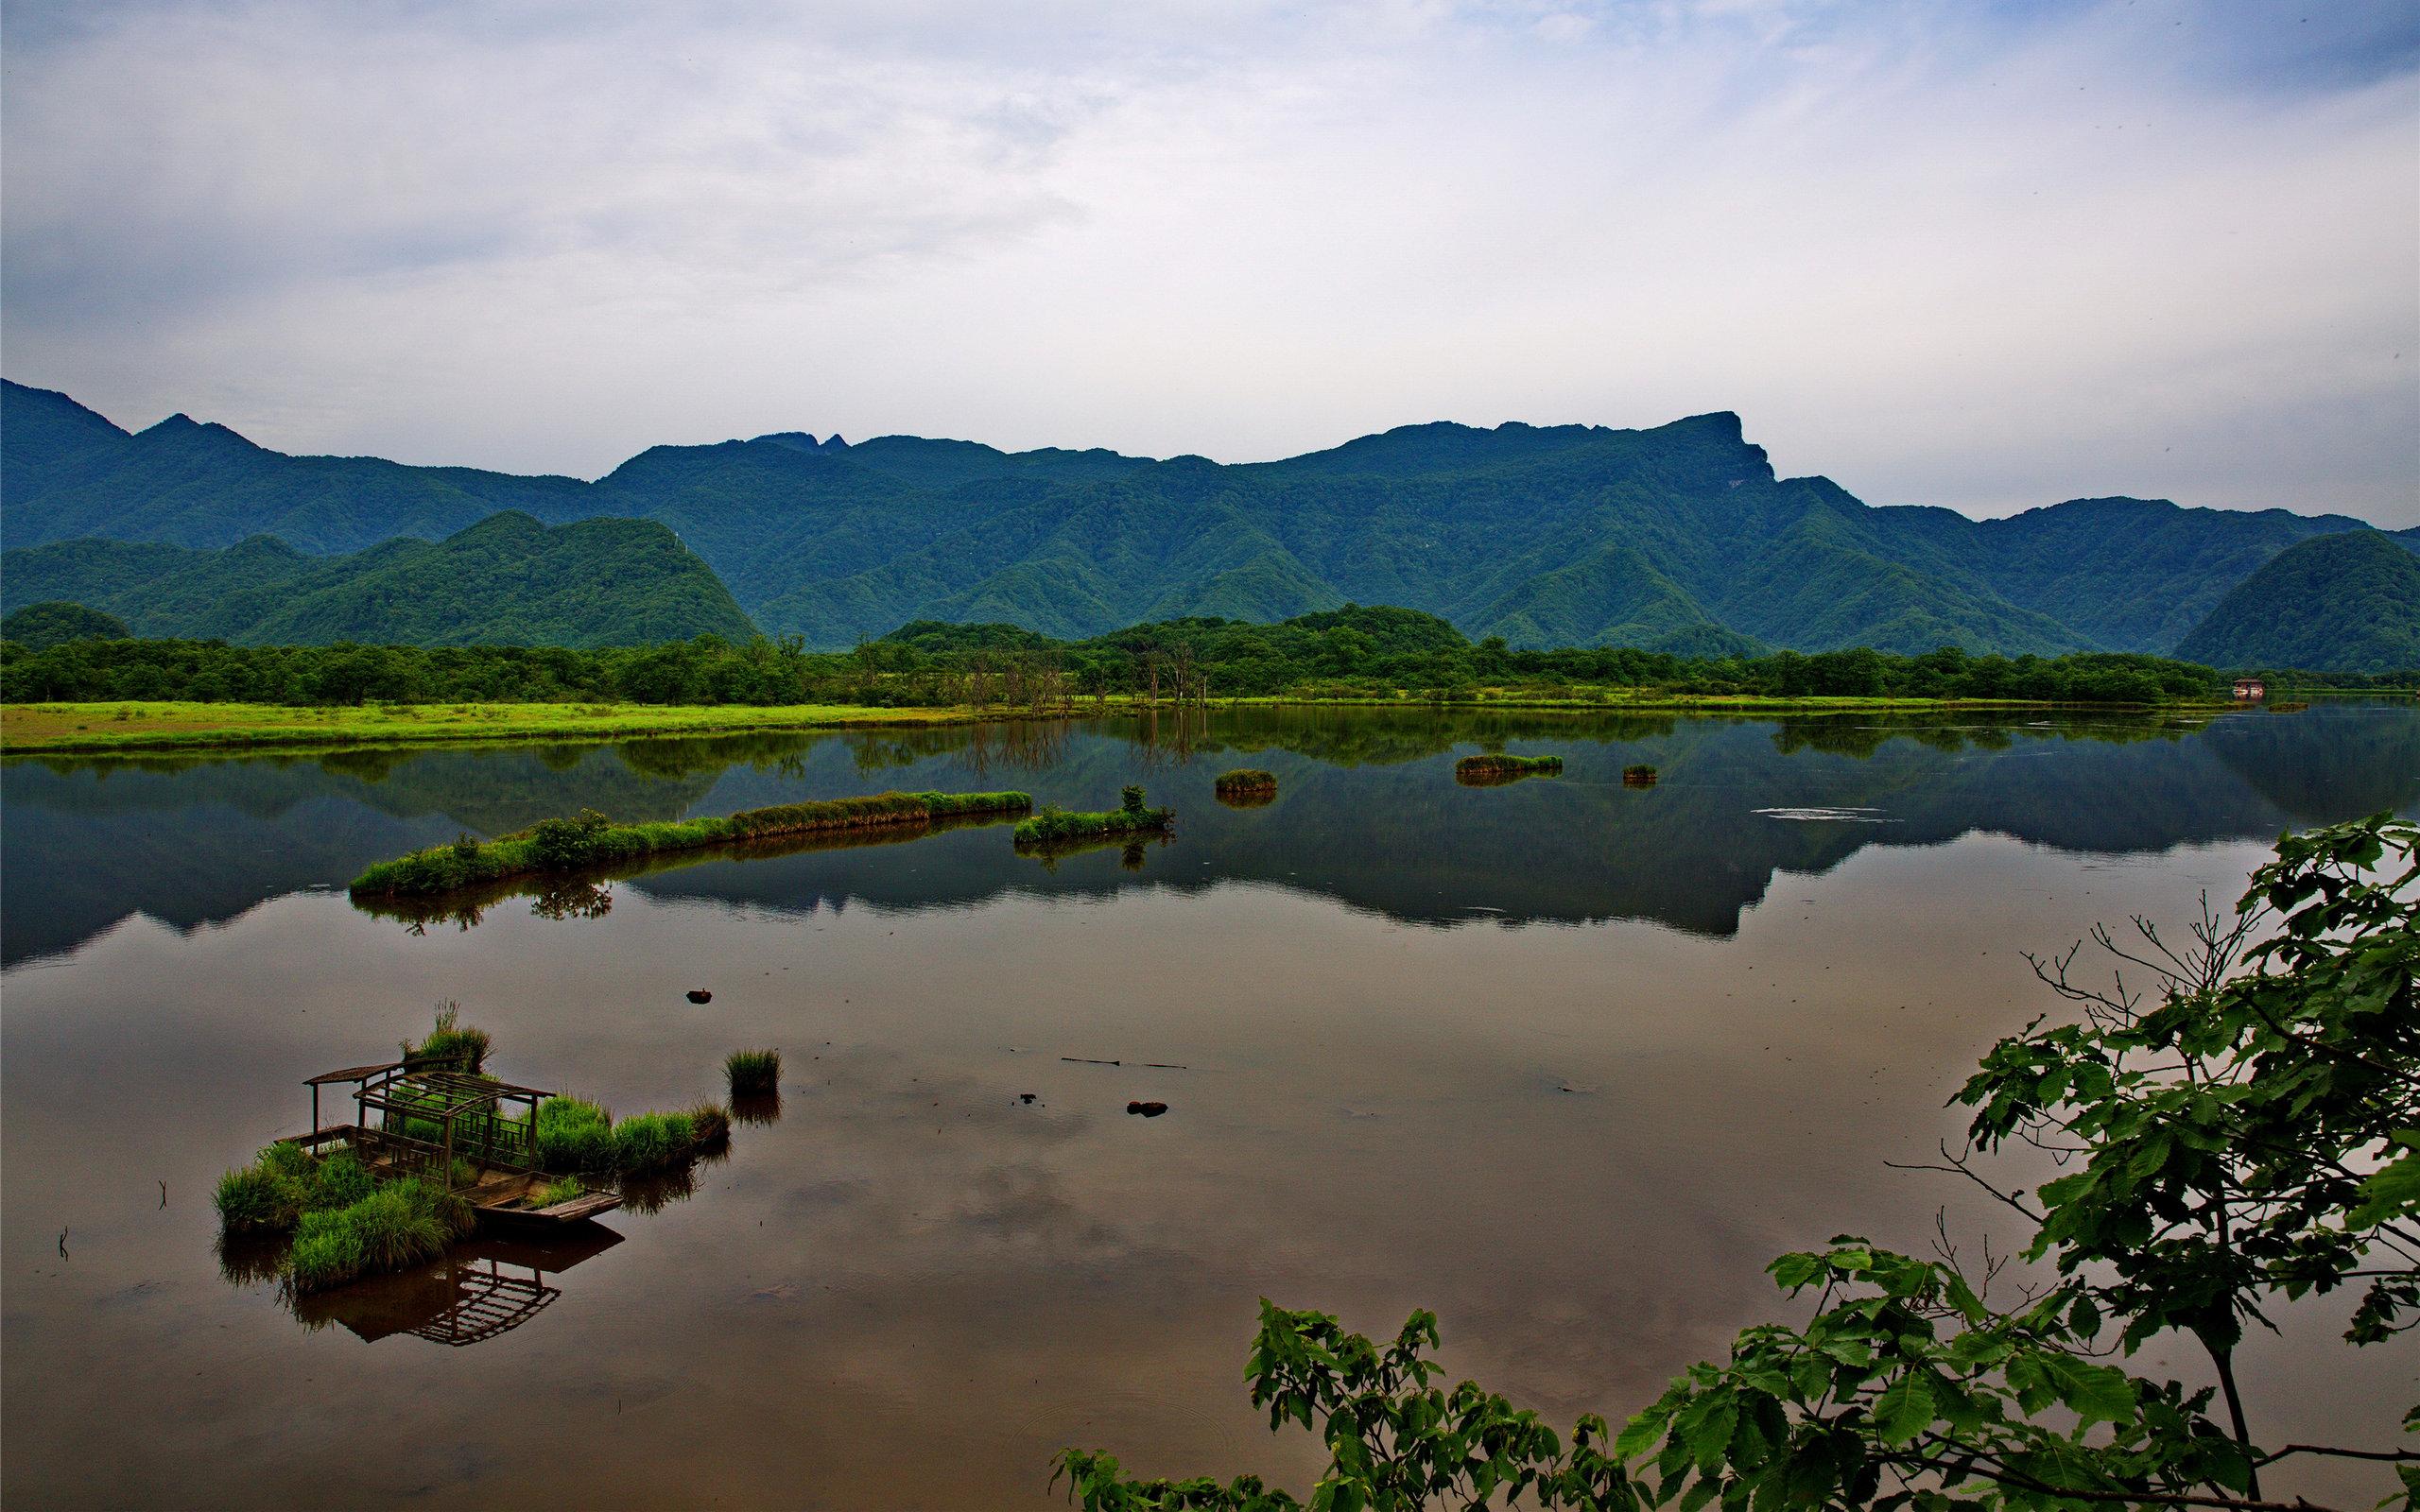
1351	652
1678	539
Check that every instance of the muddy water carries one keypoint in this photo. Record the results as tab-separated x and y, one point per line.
1566	1061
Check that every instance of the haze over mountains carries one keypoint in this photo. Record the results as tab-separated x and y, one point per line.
1676	538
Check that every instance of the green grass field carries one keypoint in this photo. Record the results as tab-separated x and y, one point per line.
30	728
104	726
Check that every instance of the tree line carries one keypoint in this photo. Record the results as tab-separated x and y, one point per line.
1352	652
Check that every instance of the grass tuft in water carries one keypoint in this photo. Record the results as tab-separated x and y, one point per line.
709	1125
1640	775
753	1072
1244	779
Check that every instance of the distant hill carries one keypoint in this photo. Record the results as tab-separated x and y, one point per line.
2342	602
1678	537
507	580
56	621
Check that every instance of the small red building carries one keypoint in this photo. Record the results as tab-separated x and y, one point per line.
2251	688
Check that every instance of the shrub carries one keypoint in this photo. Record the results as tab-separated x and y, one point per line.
562	845
753	1071
1640	775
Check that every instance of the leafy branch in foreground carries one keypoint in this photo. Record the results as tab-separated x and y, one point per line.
2243	1127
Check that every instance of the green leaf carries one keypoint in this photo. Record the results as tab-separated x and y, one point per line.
1905	1409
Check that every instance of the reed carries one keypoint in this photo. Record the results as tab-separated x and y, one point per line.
592	840
1244	780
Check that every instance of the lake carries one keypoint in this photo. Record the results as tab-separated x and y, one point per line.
1566	1061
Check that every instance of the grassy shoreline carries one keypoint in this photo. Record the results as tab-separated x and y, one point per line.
150	726
31	728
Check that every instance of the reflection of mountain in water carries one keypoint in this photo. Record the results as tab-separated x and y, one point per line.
1372	815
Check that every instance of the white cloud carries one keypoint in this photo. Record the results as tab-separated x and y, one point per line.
1943	258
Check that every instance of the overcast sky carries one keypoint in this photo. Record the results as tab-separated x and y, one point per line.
1985	255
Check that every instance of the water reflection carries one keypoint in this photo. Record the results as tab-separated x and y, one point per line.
1374	818
479	1290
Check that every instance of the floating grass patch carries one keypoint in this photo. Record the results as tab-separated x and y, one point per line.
1492	767
1057	826
592	840
1640	775
1244	779
753	1072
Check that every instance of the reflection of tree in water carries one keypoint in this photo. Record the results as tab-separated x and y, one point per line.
1863	734
1013	745
1165	738
573	899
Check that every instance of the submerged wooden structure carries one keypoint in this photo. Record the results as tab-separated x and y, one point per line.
428	1118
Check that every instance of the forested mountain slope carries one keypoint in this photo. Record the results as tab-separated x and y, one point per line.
1677	538
508	580
2341	603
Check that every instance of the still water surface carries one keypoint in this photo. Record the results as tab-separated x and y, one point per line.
1566	1061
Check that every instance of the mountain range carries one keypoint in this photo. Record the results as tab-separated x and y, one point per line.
1677	538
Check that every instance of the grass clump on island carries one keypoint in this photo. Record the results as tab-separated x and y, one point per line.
1638	775
593	840
346	1223
1501	766
577	1135
1057	826
1244	781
